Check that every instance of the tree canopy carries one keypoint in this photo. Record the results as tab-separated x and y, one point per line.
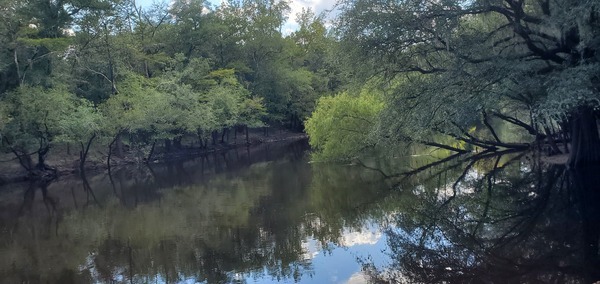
460	68
77	71
445	73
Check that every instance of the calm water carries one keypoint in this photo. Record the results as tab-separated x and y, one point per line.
266	214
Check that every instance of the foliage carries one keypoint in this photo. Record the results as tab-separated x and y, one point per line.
341	126
83	122
34	117
160	72
455	65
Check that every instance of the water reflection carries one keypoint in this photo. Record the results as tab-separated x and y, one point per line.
500	220
268	215
246	214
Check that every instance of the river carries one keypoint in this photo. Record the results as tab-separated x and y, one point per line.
268	215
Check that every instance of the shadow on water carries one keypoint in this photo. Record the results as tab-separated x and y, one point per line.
134	185
496	220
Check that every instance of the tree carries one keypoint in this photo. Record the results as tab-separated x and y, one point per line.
96	53
251	114
141	112
9	28
36	33
225	99
81	126
341	126
53	17
255	29
191	27
186	86
34	118
481	60
165	72
224	102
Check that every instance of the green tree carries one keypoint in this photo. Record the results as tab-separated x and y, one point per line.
140	112
165	72
507	60
341	126
81	126
98	50
190	32
33	122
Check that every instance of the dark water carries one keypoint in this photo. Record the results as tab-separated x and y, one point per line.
267	214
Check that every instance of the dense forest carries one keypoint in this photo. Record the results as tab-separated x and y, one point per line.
460	76
467	76
113	73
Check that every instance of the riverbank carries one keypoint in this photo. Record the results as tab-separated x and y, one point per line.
66	161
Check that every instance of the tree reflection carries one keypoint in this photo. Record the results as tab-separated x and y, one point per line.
161	225
502	220
477	219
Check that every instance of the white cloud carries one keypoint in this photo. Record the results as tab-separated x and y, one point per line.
357	278
364	237
310	250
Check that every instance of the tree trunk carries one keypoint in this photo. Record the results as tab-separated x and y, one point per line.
564	126
199	132
168	147
200	141
177	143
83	154
585	142
42	170
586	186
24	160
119	145
110	147
554	150
247	139
149	159
42	152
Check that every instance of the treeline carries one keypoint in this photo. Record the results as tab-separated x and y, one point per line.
79	72
457	76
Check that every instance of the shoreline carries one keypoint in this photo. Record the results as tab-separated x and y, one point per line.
67	168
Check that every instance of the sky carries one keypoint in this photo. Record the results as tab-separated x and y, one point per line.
296	6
